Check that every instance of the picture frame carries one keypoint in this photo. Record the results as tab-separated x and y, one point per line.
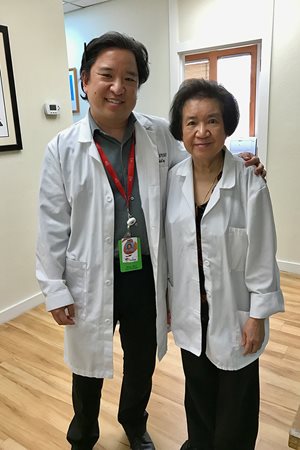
74	89
10	132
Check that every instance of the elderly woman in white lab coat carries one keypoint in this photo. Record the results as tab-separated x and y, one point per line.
223	276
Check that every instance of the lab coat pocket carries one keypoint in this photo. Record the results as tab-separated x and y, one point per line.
75	275
237	248
241	319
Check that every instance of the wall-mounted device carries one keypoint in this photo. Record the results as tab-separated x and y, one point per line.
51	109
248	144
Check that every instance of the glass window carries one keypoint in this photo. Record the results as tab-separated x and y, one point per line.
234	73
235	68
197	69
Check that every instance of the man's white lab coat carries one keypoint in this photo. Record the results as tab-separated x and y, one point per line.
76	236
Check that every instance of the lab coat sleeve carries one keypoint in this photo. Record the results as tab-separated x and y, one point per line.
54	231
175	149
261	270
177	152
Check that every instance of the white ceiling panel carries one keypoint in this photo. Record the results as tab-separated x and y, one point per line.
73	5
68	7
86	3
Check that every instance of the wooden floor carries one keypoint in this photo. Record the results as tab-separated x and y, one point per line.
35	388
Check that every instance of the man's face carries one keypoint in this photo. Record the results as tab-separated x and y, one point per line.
112	87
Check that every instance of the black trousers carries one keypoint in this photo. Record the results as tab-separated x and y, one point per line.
135	310
222	407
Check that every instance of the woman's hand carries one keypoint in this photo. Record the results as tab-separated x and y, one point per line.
253	335
252	160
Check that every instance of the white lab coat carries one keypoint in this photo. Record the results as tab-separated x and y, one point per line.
238	248
76	236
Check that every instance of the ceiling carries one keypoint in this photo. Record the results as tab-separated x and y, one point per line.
73	5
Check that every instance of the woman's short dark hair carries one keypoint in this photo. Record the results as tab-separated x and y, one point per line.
197	88
113	39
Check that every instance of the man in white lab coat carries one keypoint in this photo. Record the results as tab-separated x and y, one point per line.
101	246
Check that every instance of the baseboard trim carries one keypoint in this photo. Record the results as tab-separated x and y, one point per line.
287	266
21	307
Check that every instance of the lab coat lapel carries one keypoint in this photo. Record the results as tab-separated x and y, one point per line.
85	137
227	181
215	197
147	164
185	170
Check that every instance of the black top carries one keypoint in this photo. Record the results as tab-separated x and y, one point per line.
199	214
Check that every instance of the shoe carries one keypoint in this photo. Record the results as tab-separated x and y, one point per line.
187	446
143	442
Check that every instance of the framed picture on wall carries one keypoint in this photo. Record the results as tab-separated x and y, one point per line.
10	133
74	89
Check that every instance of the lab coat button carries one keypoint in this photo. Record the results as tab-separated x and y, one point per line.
107	321
108	239
107	282
108	198
206	263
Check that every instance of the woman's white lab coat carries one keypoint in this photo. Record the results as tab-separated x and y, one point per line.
76	236
238	249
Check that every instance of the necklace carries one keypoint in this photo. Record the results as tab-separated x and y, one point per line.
210	189
202	201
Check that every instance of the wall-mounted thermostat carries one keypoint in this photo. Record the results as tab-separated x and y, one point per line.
51	109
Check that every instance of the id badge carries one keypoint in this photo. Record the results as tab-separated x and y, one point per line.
130	254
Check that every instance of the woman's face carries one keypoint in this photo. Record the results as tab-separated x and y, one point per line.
203	131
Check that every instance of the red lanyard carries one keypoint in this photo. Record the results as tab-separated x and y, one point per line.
114	176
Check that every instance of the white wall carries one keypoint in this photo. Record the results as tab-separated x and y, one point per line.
37	42
283	150
146	21
201	26
276	24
